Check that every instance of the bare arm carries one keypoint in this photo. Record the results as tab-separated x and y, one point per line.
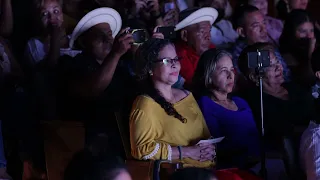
99	80
6	18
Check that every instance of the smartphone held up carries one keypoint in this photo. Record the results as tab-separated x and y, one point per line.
139	35
167	31
258	59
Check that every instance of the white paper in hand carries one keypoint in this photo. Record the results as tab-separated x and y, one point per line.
211	141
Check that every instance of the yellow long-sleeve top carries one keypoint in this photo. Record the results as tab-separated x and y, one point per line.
153	132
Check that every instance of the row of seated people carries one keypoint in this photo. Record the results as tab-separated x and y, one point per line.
167	123
99	77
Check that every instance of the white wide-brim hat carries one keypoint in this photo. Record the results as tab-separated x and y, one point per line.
94	17
193	16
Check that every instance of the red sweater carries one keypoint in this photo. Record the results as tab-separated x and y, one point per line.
189	60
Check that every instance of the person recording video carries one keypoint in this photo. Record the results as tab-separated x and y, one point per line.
285	104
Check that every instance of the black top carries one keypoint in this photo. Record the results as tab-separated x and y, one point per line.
281	116
115	97
97	113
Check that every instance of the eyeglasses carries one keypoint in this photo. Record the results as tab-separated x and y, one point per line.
167	61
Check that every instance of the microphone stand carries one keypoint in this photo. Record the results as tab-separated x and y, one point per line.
263	170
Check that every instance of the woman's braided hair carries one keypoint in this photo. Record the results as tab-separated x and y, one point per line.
145	57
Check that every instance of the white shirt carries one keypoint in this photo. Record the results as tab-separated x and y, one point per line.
222	34
310	151
37	51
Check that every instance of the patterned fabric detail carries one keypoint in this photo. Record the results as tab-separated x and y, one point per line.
153	153
316	90
169	153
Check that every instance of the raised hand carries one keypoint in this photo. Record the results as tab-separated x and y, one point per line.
157	34
171	18
122	42
140	4
153	7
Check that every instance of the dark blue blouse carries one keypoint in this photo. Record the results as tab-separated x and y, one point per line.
238	127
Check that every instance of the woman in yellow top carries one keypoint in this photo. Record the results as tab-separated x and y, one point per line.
166	123
164	118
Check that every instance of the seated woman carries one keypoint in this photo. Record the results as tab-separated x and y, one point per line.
286	106
166	123
226	116
297	43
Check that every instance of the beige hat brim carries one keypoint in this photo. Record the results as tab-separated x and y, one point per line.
201	15
97	16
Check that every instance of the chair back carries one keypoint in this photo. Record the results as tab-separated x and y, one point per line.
123	126
291	159
61	141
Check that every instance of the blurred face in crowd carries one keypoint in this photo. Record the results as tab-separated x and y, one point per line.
274	73
262	5
223	75
167	66
298	4
198	36
305	30
123	175
254	29
106	3
98	41
219	4
51	13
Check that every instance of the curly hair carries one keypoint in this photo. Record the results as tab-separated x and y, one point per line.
145	57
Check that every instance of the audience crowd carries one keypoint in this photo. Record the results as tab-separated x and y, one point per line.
180	72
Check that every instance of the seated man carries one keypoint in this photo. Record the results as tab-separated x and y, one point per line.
94	84
194	38
251	27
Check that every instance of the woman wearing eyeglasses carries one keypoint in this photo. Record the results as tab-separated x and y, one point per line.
166	123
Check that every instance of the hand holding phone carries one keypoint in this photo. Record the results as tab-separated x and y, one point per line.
139	35
171	18
122	42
